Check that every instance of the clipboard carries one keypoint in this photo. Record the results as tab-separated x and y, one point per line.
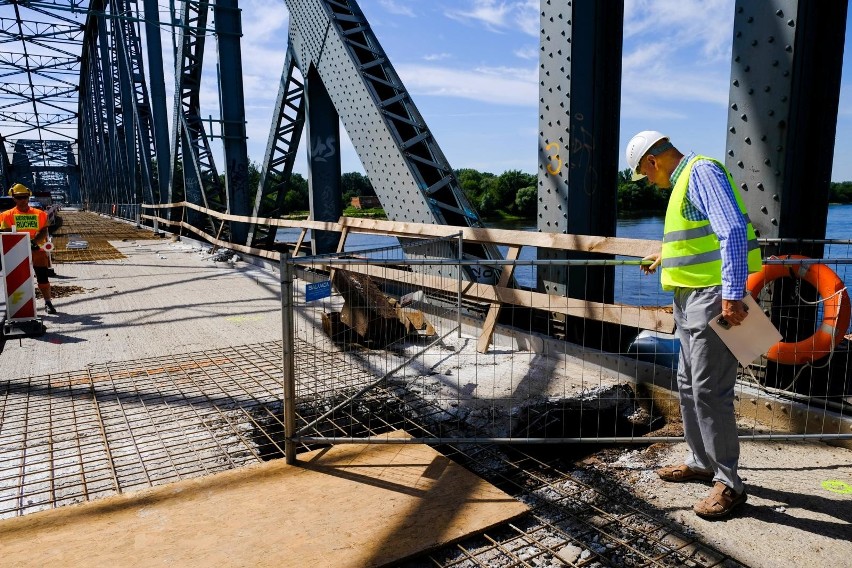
752	338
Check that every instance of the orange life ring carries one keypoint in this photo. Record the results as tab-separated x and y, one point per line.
836	310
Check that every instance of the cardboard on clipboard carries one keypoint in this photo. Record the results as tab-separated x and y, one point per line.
752	338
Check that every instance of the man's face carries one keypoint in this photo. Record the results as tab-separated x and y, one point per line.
653	170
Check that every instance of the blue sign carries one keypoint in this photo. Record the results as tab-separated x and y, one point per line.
318	290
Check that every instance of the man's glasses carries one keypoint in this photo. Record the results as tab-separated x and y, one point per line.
21	196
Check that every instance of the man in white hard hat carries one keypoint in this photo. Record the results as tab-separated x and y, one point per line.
709	248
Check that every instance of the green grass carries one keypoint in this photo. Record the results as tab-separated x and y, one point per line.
374	213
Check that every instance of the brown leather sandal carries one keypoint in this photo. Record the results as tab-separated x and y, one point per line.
682	472
720	502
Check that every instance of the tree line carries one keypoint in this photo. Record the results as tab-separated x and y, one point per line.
510	195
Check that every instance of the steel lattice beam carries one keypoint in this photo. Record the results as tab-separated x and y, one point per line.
287	125
412	177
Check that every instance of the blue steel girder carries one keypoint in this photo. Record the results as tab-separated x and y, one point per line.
190	146
114	119
782	116
5	166
158	112
232	101
288	121
96	156
125	105
411	175
140	105
579	102
44	165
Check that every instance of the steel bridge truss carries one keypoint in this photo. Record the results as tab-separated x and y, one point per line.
117	151
39	67
412	177
73	71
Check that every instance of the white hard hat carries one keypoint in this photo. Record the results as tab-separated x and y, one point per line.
639	146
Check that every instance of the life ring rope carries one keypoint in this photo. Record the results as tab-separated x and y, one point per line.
837	309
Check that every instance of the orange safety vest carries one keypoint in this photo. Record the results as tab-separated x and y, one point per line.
30	221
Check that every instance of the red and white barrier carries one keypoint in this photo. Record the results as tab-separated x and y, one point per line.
18	276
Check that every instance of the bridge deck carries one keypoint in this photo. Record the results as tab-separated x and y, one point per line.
163	366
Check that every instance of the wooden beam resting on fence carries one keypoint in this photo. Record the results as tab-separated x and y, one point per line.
651	318
494	310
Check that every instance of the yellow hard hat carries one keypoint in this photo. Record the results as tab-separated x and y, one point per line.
19	189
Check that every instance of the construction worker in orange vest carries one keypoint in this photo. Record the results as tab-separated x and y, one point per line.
33	221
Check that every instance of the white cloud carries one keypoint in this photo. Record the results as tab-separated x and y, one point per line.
437	56
503	85
262	21
500	15
528	52
399	7
673	57
706	25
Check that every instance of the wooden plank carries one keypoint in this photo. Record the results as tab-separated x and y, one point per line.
585	243
604	245
494	310
346	506
652	318
299	242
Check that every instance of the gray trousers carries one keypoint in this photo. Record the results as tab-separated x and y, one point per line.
706	373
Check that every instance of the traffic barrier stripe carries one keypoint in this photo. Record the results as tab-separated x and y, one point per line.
18	277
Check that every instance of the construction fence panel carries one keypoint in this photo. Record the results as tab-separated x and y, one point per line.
400	338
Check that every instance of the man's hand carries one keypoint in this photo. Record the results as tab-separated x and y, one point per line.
657	257
734	311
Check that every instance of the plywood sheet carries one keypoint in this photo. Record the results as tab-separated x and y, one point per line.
349	505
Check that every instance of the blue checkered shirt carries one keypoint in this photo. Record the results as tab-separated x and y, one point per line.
710	197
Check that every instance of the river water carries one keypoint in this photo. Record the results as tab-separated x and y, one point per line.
631	286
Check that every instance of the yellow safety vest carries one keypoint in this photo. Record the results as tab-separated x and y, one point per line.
691	254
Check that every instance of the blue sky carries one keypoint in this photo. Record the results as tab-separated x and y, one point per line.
471	67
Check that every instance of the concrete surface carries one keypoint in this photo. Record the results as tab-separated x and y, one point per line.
799	508
165	298
170	298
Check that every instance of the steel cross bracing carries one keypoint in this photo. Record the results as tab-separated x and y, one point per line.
135	97
412	177
48	165
115	131
288	123
108	138
39	67
190	146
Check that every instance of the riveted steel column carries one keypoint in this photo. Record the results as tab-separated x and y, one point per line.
228	32
323	162
782	116
578	133
159	115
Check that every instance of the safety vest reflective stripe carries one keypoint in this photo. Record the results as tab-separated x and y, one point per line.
685	234
710	256
693	233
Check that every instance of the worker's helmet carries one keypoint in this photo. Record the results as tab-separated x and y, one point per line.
638	147
19	189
